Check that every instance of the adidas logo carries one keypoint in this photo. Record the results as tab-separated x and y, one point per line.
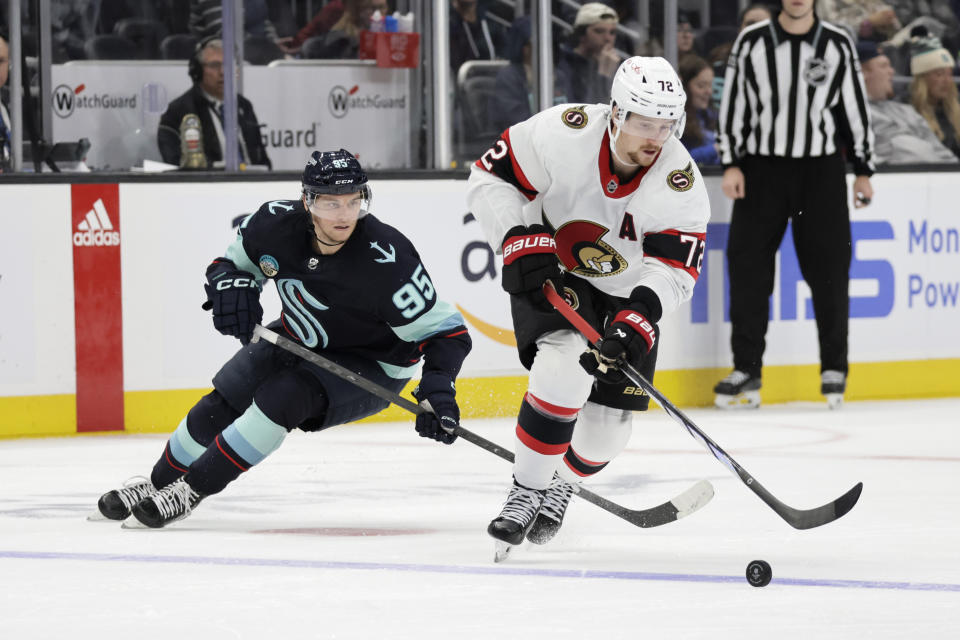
96	230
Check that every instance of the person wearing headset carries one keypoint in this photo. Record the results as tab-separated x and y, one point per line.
205	100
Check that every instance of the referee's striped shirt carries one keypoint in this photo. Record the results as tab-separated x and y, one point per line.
790	95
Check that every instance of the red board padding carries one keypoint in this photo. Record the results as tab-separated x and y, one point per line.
95	230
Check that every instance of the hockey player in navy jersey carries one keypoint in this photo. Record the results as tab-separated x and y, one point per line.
353	289
607	204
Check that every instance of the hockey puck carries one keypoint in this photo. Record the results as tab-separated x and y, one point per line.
759	573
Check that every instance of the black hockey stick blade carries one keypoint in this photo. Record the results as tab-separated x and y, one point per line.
797	518
683	505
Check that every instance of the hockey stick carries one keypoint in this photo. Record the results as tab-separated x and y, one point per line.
797	518
683	505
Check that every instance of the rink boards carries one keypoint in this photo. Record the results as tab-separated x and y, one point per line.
101	286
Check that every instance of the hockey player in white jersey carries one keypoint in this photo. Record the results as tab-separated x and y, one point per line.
606	203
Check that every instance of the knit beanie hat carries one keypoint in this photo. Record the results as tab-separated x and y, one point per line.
927	54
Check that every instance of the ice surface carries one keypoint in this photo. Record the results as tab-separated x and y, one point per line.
371	532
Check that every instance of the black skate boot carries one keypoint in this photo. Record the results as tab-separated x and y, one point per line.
555	502
174	502
832	385
739	390
515	518
116	504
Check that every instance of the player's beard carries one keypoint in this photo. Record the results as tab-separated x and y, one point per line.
638	156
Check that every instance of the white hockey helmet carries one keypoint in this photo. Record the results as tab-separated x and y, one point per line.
648	87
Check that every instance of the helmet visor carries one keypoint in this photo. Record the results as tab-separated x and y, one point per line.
338	207
649	128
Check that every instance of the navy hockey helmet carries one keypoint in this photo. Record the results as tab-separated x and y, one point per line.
334	173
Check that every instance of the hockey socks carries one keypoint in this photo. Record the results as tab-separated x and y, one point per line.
246	442
543	432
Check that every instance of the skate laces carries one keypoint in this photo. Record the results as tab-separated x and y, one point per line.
134	490
735	378
522	504
556	499
176	500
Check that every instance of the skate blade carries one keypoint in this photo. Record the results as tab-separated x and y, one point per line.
501	550
96	516
745	400
834	400
133	523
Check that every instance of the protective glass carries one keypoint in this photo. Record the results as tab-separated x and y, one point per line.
338	207
649	128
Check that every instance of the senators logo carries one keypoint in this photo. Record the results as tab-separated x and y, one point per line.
681	179
574	117
582	252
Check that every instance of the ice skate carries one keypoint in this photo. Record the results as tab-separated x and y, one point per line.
555	502
116	504
515	518
174	502
832	385
739	390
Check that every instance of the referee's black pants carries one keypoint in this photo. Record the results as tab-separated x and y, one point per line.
813	193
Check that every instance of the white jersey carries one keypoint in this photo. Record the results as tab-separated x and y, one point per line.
555	169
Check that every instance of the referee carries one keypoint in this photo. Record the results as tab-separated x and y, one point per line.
793	92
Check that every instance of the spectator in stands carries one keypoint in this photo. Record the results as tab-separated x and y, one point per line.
865	19
343	39
5	124
685	35
627	17
472	35
717	57
206	20
933	93
323	21
901	135
939	17
753	14
513	100
71	25
205	100
588	62
700	132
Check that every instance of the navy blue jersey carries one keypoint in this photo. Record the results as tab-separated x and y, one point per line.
372	298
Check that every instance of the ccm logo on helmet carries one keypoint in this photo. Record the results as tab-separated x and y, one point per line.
541	243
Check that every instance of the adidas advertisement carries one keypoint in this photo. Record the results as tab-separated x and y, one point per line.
98	306
96	230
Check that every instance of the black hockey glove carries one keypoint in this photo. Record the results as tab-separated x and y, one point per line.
629	338
234	296
437	394
529	260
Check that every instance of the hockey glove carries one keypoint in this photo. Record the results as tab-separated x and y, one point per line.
629	338
529	260
437	394
234	296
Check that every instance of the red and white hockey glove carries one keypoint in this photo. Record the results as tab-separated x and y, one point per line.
628	338
529	260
